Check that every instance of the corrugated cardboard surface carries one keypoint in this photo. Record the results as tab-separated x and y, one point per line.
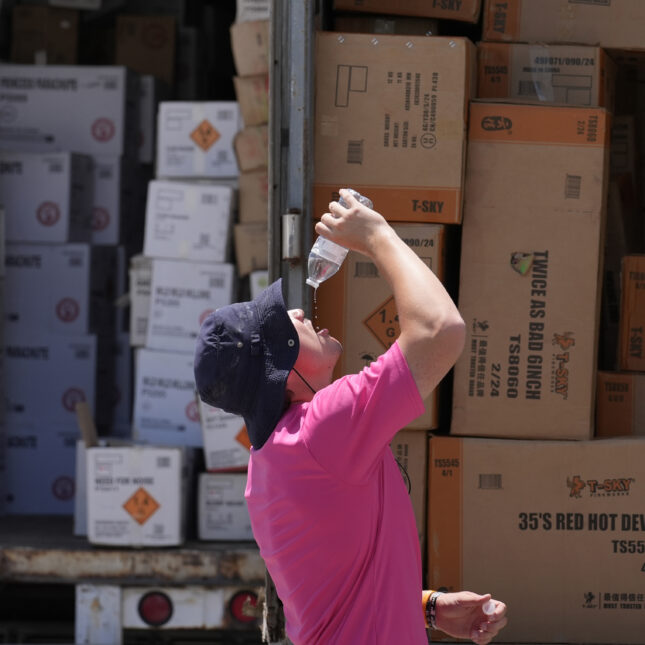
555	529
358	308
571	75
532	245
390	121
631	334
620	404
467	10
617	24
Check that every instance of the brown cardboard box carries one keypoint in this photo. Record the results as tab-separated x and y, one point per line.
531	269
361	23
147	45
390	121
631	335
253	196
540	73
357	306
252	148
252	93
466	10
553	528
617	25
620	404
250	47
44	35
251	247
410	448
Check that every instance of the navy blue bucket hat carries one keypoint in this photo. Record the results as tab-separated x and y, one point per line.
243	357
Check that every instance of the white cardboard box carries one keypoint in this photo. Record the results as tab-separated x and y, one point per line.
226	441
91	110
60	288
259	281
136	495
47	197
46	375
188	221
140	274
40	474
182	295
222	513
165	403
195	139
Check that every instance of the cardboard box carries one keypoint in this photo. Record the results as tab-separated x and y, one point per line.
90	110
390	121
252	148
466	10
45	376
567	517
251	247
188	221
603	23
357	23
357	306
225	439
151	92
566	74
44	35
253	196
136	496
252	94
47	197
147	45
40	475
165	405
182	295
222	512
259	281
410	448
247	10
116	216
196	139
631	335
530	300
140	273
620	404
59	288
250	47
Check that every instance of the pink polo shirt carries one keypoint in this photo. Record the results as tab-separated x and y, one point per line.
332	516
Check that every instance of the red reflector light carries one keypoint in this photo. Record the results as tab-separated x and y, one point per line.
155	608
244	606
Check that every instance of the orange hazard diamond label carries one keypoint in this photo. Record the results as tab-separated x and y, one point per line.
243	437
205	135
141	506
384	323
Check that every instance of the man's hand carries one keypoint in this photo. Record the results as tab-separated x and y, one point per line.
461	615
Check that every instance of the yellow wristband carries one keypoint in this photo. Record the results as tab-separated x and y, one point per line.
425	597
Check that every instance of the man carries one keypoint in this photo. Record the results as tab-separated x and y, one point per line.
328	506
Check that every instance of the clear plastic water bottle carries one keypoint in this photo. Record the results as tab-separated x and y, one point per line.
326	256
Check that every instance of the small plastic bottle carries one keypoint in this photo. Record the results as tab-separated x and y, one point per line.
326	256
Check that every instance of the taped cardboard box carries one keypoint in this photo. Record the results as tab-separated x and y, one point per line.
225	438
90	110
466	10
182	295
252	93
357	23
254	196
195	139
147	45
620	404
251	247
358	308
47	197
42	35
612	25
252	148
165	404
530	300
390	121
631	335
136	496
250	47
187	221
566	74
567	517
222	513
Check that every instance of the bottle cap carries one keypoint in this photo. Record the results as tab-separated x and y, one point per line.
489	608
312	283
